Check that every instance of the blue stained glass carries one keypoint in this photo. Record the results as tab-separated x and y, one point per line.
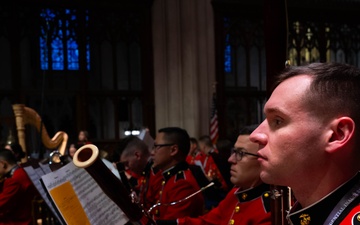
57	54
43	54
227	56
60	34
73	17
228	59
73	55
88	55
63	41
48	14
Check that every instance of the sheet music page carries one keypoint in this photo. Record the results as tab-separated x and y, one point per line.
45	167
35	175
146	137
80	199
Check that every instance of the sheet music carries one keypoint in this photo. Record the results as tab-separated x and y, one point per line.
146	137
80	199
35	175
45	167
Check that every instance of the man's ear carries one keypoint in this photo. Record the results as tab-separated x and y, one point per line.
343	130
3	164
137	154
174	150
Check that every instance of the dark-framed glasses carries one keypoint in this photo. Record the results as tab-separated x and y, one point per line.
157	146
239	153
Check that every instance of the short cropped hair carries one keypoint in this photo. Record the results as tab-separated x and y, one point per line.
17	150
178	136
8	156
206	140
134	143
247	130
194	141
335	88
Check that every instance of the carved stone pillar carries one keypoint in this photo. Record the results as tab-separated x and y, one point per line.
184	63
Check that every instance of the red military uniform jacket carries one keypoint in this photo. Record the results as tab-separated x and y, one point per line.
246	207
16	198
198	156
211	169
177	184
342	206
149	186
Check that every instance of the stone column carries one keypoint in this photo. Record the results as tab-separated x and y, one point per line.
184	63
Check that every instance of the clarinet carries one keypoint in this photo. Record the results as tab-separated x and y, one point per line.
280	204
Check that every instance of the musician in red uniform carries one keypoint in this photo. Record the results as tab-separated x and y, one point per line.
195	155
211	169
171	147
17	192
248	202
310	141
136	158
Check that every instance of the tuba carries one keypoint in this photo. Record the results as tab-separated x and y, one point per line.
87	157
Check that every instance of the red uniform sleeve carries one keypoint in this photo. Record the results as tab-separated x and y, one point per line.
180	190
217	215
9	196
213	172
151	195
249	213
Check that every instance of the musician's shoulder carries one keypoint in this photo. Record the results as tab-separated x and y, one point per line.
184	175
180	175
353	217
266	201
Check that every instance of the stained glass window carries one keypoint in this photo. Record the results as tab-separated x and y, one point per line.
59	47
227	52
227	56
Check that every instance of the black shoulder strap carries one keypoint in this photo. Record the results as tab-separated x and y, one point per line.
344	206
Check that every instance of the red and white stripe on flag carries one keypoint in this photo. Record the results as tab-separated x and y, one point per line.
214	127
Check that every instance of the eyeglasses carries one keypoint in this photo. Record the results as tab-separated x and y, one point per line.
155	147
239	153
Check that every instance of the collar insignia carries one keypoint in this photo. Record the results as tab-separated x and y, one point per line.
305	219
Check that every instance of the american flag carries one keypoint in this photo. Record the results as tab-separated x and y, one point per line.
214	127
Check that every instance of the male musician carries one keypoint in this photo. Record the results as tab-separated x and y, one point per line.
209	165
194	152
17	192
249	201
136	157
310	142
17	150
171	147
